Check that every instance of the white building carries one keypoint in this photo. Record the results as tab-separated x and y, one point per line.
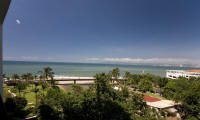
173	74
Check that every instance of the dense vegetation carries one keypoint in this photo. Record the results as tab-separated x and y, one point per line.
101	101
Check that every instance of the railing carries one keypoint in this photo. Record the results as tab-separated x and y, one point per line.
65	81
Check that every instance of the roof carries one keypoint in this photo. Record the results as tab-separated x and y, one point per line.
148	98
192	70
158	103
161	104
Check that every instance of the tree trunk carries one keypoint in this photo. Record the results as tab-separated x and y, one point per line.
36	98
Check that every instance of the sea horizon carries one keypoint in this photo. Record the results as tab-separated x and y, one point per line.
76	69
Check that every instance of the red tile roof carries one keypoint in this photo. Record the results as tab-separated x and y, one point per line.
192	70
148	98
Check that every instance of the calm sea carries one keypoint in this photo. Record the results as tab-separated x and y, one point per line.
81	69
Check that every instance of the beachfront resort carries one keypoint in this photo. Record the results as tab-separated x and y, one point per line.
131	96
99	60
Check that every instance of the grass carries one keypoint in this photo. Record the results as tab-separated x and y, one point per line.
5	92
28	93
66	88
155	95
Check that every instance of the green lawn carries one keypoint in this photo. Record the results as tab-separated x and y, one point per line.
5	92
154	95
28	93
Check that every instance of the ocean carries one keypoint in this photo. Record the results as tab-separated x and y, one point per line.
82	69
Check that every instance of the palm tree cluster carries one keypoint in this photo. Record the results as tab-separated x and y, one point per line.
46	74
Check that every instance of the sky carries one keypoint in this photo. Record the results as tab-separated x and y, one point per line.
110	31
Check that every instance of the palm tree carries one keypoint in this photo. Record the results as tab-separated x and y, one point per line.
36	90
115	74
30	76
126	77
21	86
15	77
40	77
4	76
24	76
35	77
47	72
40	74
44	86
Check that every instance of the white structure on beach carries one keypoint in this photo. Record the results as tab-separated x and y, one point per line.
174	74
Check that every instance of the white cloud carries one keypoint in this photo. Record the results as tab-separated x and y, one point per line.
147	60
18	21
163	61
92	59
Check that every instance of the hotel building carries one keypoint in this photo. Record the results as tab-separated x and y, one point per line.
174	74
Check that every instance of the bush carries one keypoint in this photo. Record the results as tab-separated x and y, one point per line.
15	107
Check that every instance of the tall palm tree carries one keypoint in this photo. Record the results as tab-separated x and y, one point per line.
47	73
15	77
115	74
21	86
35	77
40	74
24	76
36	90
44	86
126	77
4	77
29	76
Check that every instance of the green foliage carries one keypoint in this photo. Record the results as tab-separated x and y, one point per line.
52	103
15	107
115	74
187	93
145	85
15	76
21	86
191	100
170	89
161	82
46	112
44	85
99	102
77	89
175	89
138	102
125	92
127	77
48	72
27	76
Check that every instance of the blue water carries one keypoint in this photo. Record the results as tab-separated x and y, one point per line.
81	69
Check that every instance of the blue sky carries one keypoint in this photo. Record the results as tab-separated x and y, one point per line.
125	31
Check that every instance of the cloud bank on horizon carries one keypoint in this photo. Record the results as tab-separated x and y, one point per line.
163	61
147	60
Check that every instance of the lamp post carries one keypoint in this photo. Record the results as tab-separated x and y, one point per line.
4	5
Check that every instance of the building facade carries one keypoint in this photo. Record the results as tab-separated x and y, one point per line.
174	74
